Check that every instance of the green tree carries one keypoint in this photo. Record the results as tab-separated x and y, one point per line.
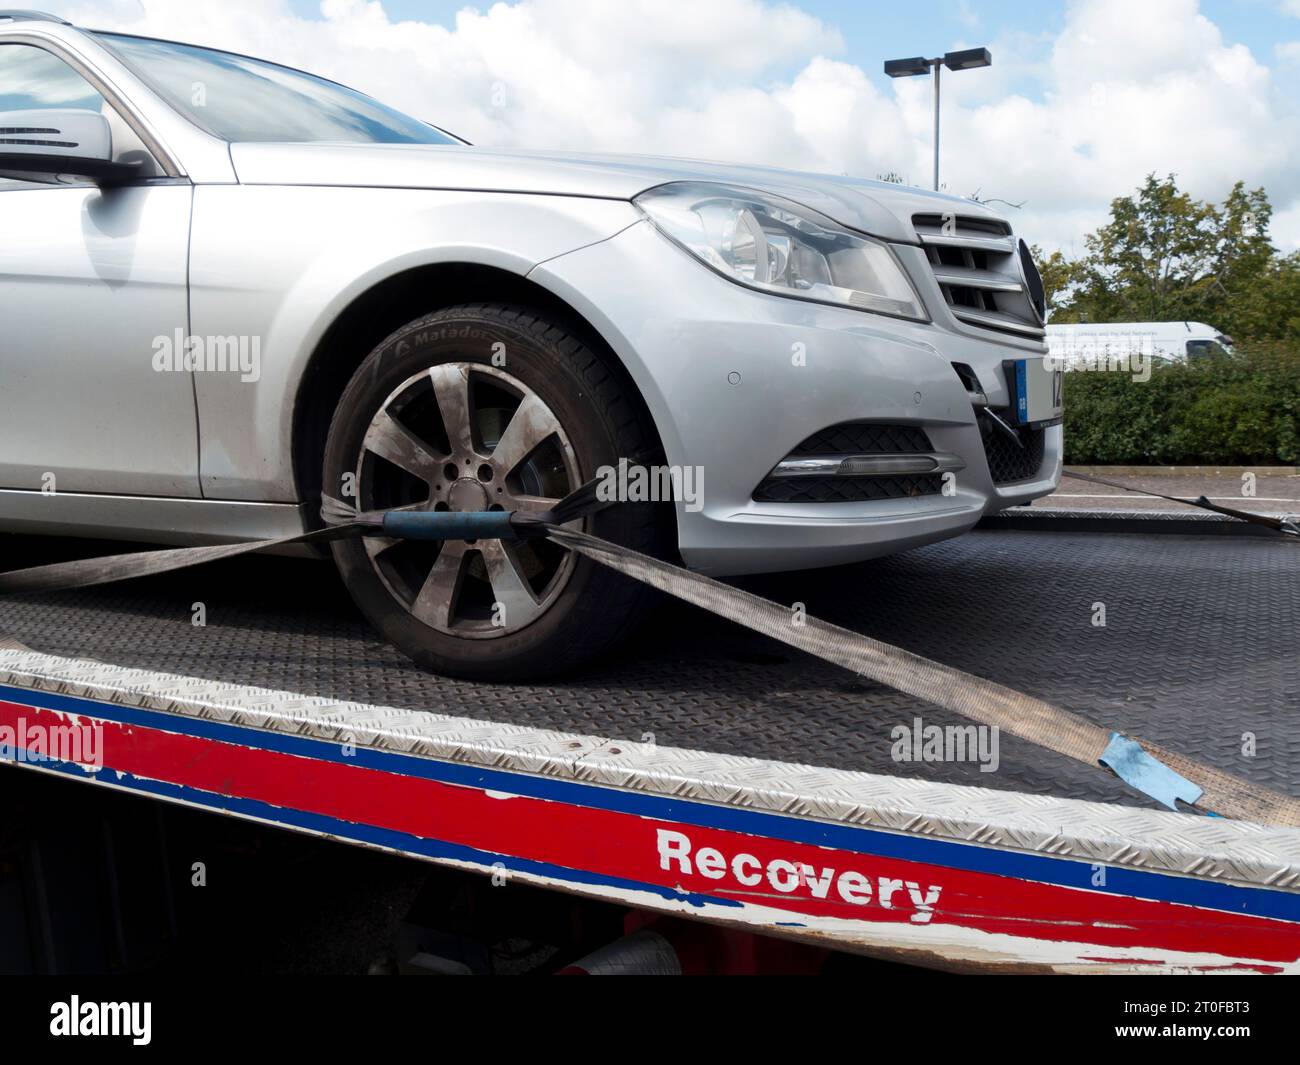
1268	307
1165	256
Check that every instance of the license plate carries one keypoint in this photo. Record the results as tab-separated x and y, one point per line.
1037	387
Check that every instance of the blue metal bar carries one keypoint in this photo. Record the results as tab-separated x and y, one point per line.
450	525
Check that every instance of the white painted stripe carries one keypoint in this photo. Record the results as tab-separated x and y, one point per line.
1219	499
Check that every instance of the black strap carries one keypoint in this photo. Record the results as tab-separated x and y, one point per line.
1286	528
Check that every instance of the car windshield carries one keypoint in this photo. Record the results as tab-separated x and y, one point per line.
241	99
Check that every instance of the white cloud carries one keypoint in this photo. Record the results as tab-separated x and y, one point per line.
1126	88
966	15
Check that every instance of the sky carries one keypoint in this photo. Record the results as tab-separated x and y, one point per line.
1083	100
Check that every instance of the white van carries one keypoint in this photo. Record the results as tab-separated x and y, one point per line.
1102	343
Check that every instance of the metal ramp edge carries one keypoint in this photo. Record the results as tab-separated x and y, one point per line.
1021	864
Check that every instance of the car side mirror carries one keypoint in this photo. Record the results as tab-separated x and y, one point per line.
54	146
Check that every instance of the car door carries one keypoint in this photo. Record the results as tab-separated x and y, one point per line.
92	304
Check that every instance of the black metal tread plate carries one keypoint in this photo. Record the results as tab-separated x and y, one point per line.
1198	653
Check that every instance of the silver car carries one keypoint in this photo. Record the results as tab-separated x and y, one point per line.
227	287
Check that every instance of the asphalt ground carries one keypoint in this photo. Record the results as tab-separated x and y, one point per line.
1273	493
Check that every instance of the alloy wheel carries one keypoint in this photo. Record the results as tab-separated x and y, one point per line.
463	437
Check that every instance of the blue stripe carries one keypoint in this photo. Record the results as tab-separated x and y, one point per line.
1063	872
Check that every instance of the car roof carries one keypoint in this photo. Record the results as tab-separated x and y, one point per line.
13	15
25	15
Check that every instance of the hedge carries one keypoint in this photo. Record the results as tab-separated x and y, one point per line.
1232	411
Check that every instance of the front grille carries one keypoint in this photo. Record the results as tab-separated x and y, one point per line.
846	489
977	263
1007	462
865	438
854	438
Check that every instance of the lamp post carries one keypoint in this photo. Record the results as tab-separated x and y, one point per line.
967	59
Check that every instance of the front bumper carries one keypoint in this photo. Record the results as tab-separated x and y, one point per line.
736	379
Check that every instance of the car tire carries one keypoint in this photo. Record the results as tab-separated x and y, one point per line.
489	611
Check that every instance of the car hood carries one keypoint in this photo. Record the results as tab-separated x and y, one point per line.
876	207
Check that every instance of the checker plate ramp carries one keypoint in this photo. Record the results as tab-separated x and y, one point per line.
713	772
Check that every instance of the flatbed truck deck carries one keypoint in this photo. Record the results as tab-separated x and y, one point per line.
710	773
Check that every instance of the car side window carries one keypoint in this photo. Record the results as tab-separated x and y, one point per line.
33	79
1202	349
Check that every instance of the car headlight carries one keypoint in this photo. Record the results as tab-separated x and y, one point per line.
774	245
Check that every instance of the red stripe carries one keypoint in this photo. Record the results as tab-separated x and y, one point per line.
619	845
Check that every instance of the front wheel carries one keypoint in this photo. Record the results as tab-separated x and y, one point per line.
487	407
